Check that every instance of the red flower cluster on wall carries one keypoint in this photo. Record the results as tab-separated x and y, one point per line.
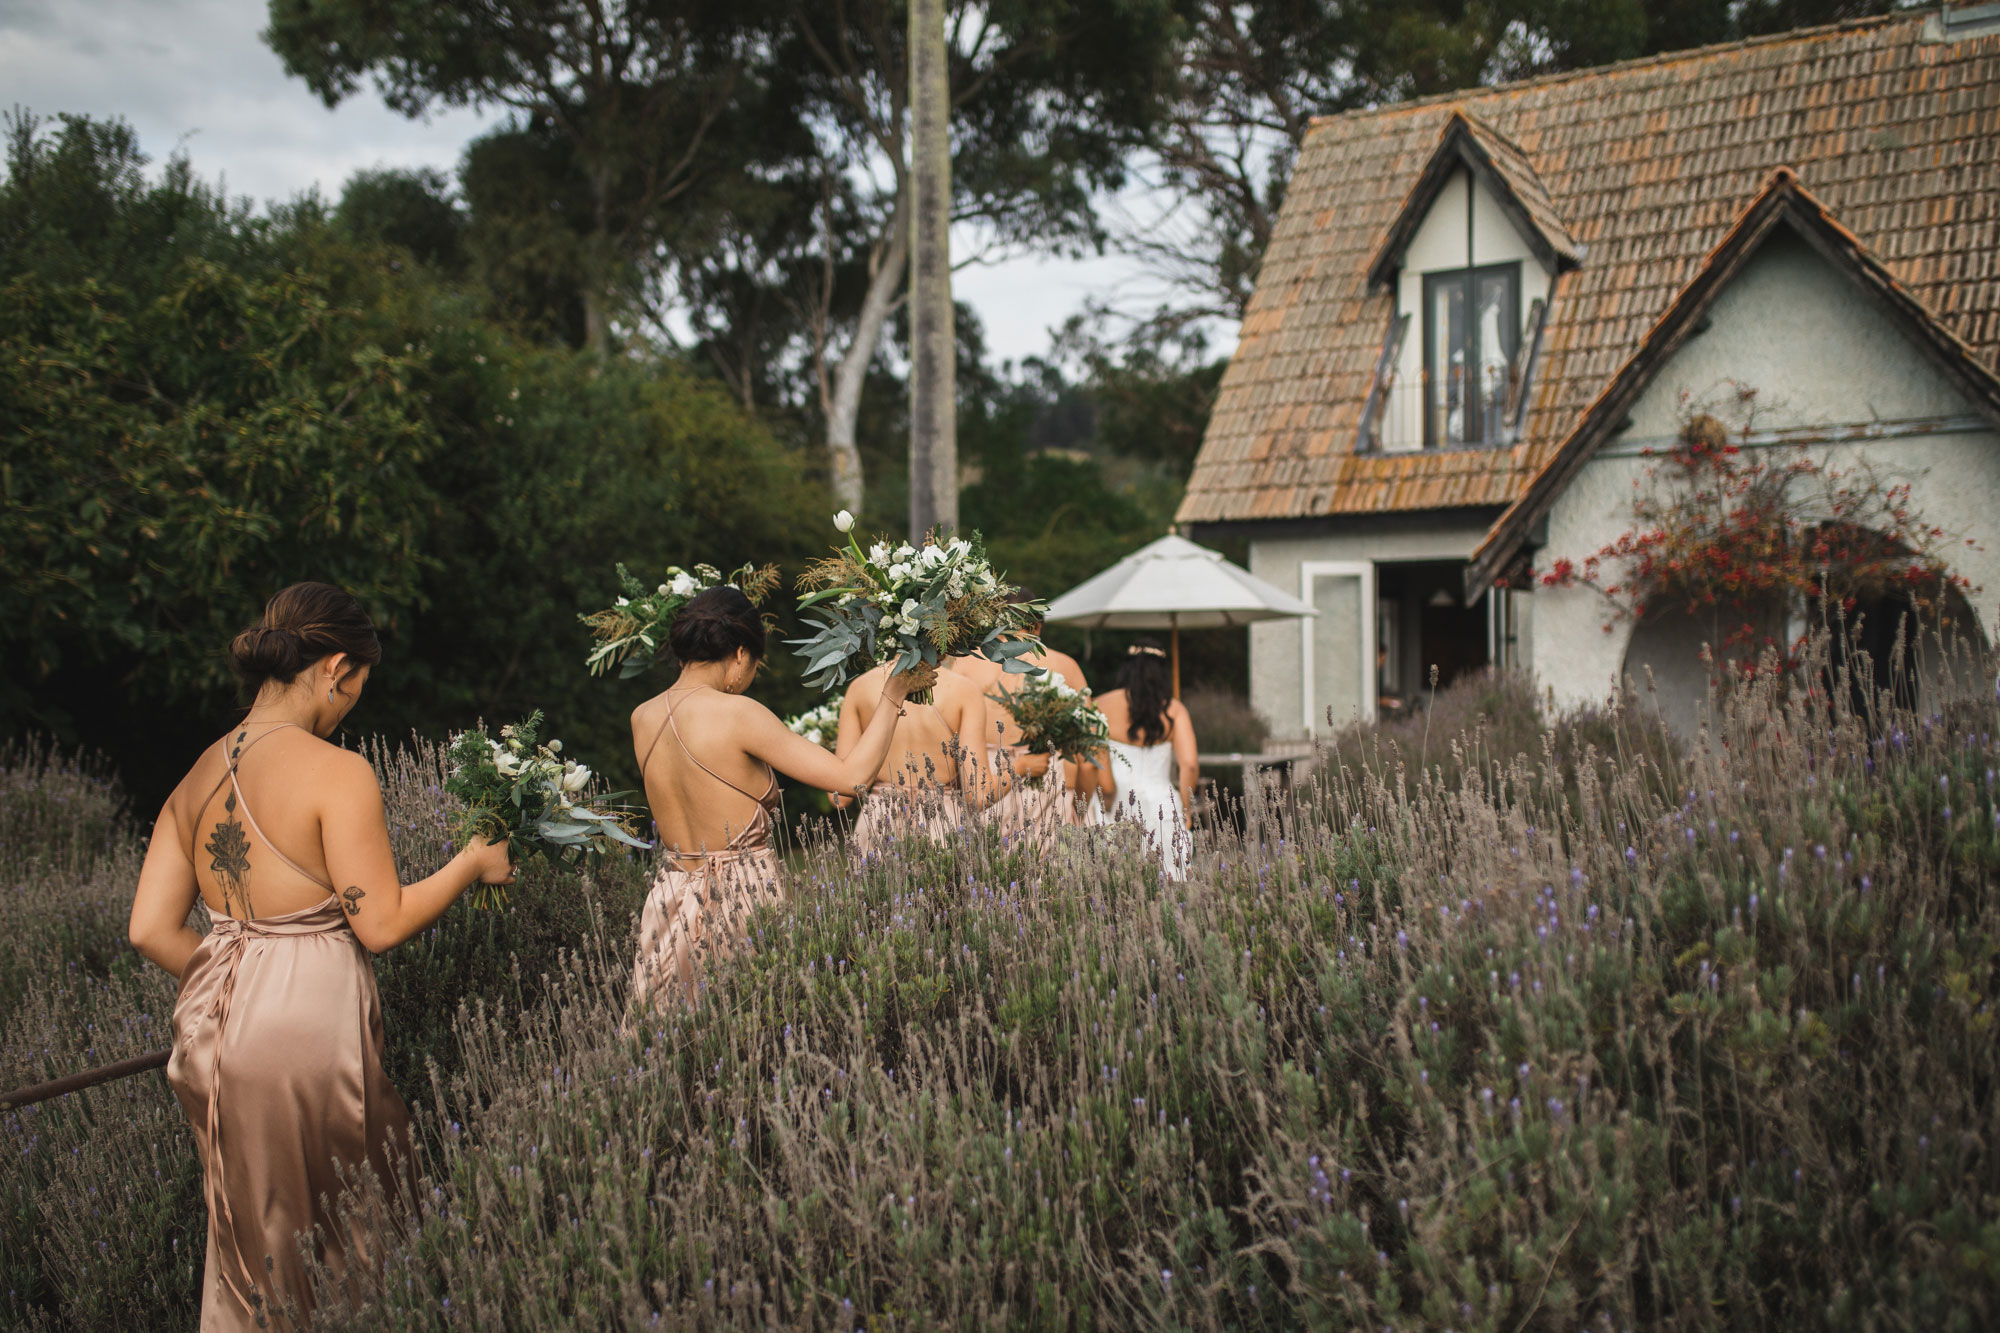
1748	534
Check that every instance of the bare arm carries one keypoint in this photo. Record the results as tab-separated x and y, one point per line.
793	755
382	909
1187	757
159	928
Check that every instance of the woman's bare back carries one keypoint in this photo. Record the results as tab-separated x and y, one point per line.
228	830
930	738
675	734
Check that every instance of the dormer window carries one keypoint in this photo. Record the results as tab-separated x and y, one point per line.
1472	335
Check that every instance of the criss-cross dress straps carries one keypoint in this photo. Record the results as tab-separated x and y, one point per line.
763	803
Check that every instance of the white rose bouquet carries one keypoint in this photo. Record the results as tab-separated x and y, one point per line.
1054	718
523	790
908	604
631	634
819	725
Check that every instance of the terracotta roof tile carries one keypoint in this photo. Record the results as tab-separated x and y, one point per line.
1645	166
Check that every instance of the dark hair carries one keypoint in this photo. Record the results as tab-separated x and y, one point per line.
1148	690
302	624
714	624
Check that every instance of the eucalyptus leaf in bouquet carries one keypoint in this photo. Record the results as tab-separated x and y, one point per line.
631	634
905	604
819	725
1055	718
520	788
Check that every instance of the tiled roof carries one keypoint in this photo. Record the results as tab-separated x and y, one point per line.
1505	171
1646	166
1783	202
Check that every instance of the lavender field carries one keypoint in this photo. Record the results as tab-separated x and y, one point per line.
1524	1023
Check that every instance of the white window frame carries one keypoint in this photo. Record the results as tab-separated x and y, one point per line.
1309	570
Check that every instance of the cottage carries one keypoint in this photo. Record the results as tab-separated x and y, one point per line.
1481	315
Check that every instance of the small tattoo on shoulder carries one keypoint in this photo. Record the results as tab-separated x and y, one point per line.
351	900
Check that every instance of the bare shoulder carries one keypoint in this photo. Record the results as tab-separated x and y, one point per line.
979	670
344	770
1067	667
1177	713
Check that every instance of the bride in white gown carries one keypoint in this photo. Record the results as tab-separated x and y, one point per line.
1147	773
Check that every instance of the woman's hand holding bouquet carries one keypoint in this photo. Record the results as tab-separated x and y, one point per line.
519	791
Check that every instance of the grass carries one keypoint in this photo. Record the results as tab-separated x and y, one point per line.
1554	1024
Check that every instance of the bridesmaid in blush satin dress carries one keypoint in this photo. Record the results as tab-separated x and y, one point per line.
710	759
936	777
1033	808
278	1041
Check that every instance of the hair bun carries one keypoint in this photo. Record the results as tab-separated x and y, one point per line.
263	653
713	625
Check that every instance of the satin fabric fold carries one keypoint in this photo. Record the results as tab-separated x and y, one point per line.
1033	808
278	1063
693	917
893	812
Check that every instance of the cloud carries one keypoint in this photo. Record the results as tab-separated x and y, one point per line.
195	76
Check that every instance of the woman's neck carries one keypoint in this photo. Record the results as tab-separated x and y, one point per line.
278	707
702	674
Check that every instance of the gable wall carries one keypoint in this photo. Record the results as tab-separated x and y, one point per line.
1440	244
1820	354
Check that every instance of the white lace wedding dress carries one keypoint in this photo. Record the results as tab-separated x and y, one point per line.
1148	796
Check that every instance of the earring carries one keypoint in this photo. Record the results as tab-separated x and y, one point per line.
329	694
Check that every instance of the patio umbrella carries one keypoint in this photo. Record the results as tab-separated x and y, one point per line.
1173	584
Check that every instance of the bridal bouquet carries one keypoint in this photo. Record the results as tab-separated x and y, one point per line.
819	725
631	633
1056	719
908	604
522	789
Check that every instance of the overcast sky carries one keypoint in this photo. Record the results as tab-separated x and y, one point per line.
193	74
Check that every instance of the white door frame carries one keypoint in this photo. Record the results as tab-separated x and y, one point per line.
1364	570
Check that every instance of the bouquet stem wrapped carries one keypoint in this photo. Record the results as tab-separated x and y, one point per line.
521	789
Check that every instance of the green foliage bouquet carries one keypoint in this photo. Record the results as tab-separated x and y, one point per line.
1056	719
631	633
819	725
907	605
522	789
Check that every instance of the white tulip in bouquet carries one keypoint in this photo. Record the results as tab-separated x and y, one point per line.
907	604
523	790
1056	719
632	632
819	725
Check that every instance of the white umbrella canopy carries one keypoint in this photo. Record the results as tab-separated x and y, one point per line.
1173	584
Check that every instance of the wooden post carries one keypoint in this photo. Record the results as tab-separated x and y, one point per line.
89	1078
1175	639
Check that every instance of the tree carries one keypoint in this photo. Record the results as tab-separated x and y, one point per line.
933	348
1252	76
1044	96
643	97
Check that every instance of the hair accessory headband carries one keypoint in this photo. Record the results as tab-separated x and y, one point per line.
1146	648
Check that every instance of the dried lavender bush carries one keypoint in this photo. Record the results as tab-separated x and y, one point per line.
1679	1037
102	1222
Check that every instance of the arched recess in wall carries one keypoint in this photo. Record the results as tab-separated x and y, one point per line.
1922	650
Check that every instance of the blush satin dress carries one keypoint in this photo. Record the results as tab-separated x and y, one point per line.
699	902
278	1063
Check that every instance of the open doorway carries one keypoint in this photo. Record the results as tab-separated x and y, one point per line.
1423	622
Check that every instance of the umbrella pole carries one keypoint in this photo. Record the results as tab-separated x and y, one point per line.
1175	640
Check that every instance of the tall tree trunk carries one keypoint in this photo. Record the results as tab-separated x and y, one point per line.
933	394
845	408
597	269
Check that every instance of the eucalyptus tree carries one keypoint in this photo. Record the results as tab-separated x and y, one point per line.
1045	99
632	107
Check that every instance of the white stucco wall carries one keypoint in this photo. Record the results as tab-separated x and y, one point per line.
1820	355
1276	656
1441	244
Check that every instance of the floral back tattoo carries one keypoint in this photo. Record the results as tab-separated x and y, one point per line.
229	849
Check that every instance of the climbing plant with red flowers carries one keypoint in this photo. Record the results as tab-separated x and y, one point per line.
1746	533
